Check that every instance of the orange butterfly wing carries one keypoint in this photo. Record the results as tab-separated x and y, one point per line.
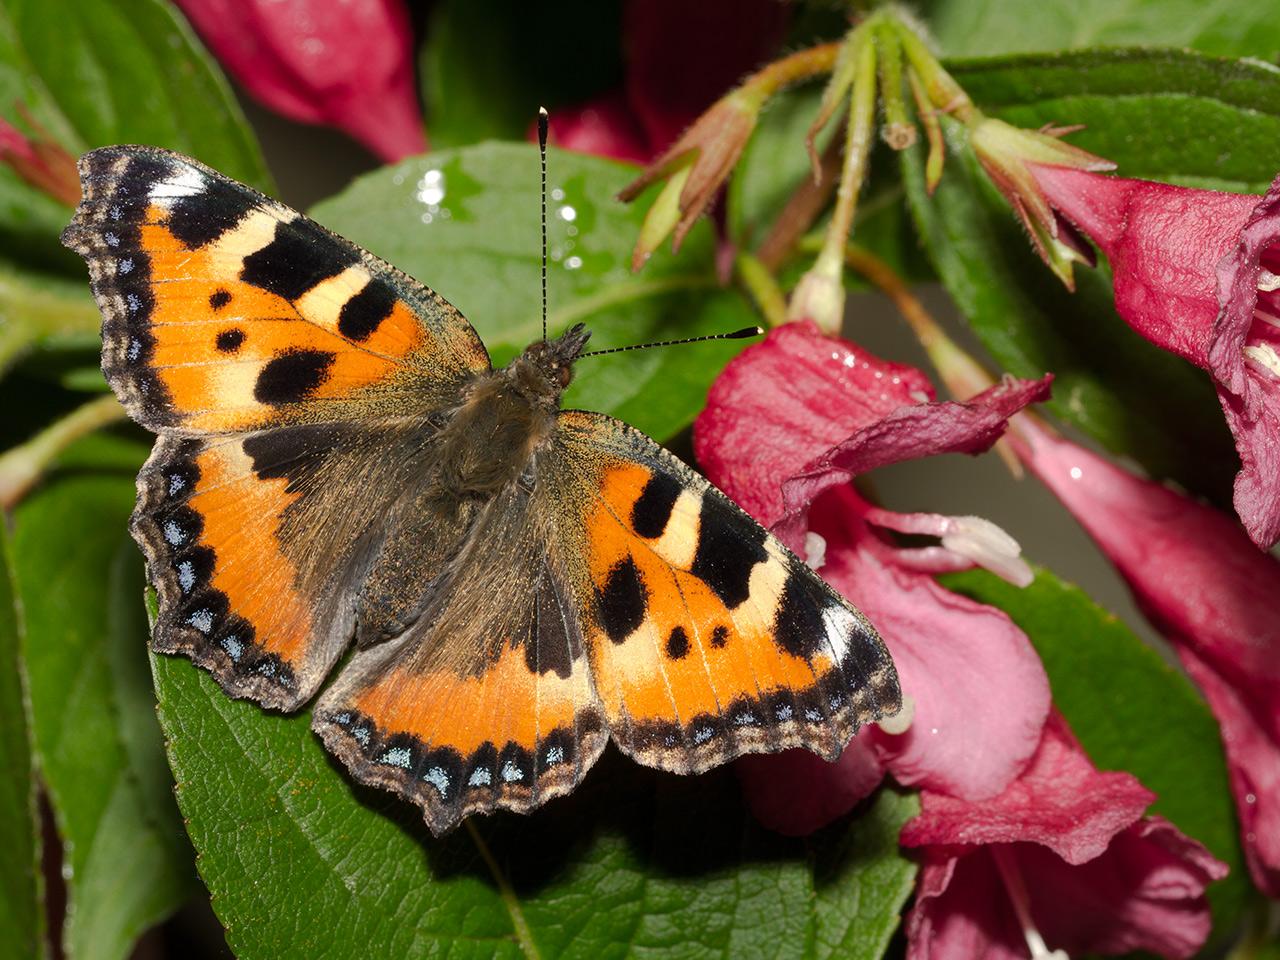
277	362
707	638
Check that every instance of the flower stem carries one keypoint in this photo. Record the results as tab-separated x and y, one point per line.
22	466
801	210
800	65
763	289
940	87
899	132
857	148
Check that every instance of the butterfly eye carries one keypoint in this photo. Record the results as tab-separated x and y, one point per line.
563	375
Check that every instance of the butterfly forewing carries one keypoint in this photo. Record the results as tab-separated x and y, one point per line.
224	310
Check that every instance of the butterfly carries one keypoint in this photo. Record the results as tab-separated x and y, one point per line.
340	472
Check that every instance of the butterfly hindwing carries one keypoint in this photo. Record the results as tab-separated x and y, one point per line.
707	638
256	544
227	311
485	700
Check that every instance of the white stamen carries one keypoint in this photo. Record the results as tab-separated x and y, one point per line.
815	550
1260	314
1017	891
1267	281
1265	356
988	546
900	722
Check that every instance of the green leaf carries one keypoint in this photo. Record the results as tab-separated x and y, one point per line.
1240	28
480	251
21	915
300	860
102	72
486	68
80	580
1165	115
1131	711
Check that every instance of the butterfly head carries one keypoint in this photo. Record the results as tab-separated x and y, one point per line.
553	359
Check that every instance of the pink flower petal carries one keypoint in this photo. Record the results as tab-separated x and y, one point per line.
796	792
347	64
801	412
952	655
1060	801
1064	856
1250	734
681	57
787	400
1187	268
1144	892
962	911
603	127
1211	593
1164	244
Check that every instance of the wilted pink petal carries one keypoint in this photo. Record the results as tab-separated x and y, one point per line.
348	65
1063	859
1211	593
787	400
805	412
1060	800
1191	271
603	127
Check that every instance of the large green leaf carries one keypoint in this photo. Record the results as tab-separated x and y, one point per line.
479	248
21	917
1131	711
1240	28
303	863
486	68
79	576
1167	115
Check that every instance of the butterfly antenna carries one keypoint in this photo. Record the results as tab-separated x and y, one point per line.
542	157
736	335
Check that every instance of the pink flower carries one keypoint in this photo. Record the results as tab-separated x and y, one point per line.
1197	272
347	65
680	58
1211	593
1062	859
788	424
39	161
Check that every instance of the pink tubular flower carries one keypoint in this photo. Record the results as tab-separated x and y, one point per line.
1062	859
680	58
1197	272
39	161
787	425
347	65
1211	593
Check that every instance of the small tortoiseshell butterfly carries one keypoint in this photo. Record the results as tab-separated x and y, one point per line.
338	460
